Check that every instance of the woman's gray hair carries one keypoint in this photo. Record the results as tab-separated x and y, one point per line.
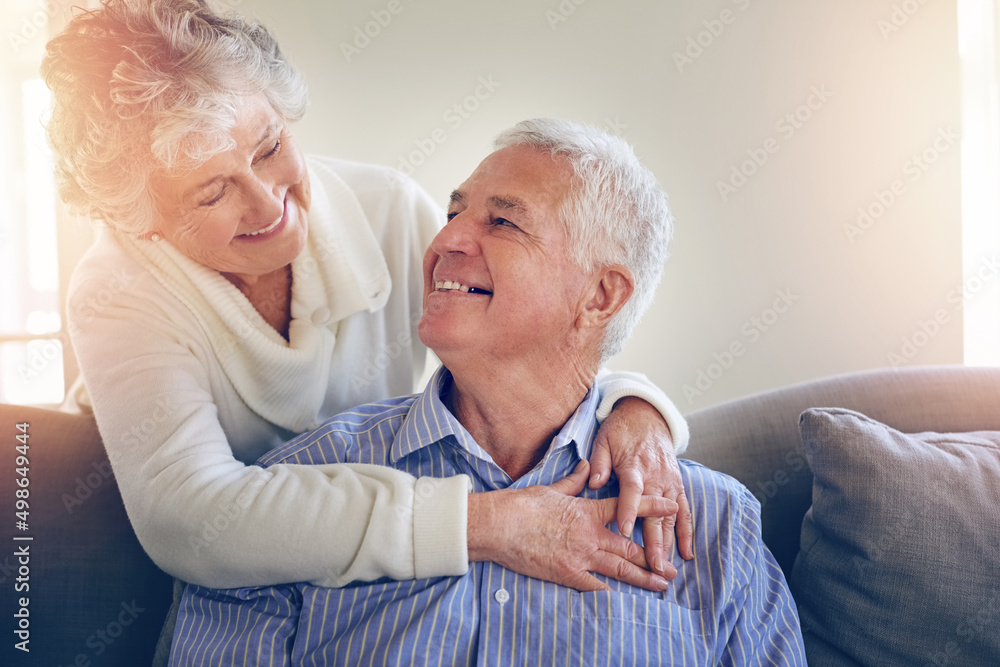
142	85
616	212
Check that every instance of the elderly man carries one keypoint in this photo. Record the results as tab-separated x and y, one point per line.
552	251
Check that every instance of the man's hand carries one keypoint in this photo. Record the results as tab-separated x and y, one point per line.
636	442
548	533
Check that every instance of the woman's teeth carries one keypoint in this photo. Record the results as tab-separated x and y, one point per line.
266	229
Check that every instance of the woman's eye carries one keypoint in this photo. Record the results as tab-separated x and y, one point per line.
214	200
274	150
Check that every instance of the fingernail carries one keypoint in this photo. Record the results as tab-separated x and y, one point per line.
627	529
661	583
658	564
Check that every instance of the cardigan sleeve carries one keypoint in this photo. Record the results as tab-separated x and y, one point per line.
210	519
619	384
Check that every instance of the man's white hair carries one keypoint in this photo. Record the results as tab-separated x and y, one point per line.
616	212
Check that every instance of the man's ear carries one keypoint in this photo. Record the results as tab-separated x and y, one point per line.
609	290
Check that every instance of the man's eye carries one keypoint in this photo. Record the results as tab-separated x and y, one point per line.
451	216
504	222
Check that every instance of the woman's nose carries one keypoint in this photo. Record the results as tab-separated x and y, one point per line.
265	202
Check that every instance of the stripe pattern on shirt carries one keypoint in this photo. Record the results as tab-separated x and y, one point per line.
728	606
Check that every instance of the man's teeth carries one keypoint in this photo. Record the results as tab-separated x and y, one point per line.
267	229
446	285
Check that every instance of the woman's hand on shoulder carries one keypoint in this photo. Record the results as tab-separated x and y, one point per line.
548	533
635	441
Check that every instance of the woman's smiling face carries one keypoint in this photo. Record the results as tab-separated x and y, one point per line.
242	212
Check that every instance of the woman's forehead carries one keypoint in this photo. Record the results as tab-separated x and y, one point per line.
256	125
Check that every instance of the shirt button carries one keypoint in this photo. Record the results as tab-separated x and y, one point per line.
321	316
502	595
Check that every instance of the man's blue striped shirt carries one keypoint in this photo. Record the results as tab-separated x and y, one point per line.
729	606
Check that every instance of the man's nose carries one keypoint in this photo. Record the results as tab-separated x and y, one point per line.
458	235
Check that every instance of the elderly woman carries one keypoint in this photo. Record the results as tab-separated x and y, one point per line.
254	293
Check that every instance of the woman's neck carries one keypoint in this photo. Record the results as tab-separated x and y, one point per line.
270	295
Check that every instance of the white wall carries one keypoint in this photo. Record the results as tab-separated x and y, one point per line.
888	92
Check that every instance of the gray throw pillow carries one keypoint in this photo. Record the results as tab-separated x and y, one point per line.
900	551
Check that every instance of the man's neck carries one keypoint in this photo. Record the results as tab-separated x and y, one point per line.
514	414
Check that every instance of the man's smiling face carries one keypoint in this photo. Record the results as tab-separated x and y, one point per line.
498	281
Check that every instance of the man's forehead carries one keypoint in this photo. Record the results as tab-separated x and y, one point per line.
502	202
517	178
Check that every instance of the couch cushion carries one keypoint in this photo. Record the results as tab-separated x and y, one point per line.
756	438
93	596
900	550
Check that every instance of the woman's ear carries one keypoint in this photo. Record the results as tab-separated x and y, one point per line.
609	290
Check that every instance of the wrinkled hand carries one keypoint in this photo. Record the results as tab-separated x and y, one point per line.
548	533
636	442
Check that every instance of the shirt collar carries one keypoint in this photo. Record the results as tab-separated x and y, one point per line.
429	422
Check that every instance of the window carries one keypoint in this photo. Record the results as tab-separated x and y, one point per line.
30	323
979	49
33	344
